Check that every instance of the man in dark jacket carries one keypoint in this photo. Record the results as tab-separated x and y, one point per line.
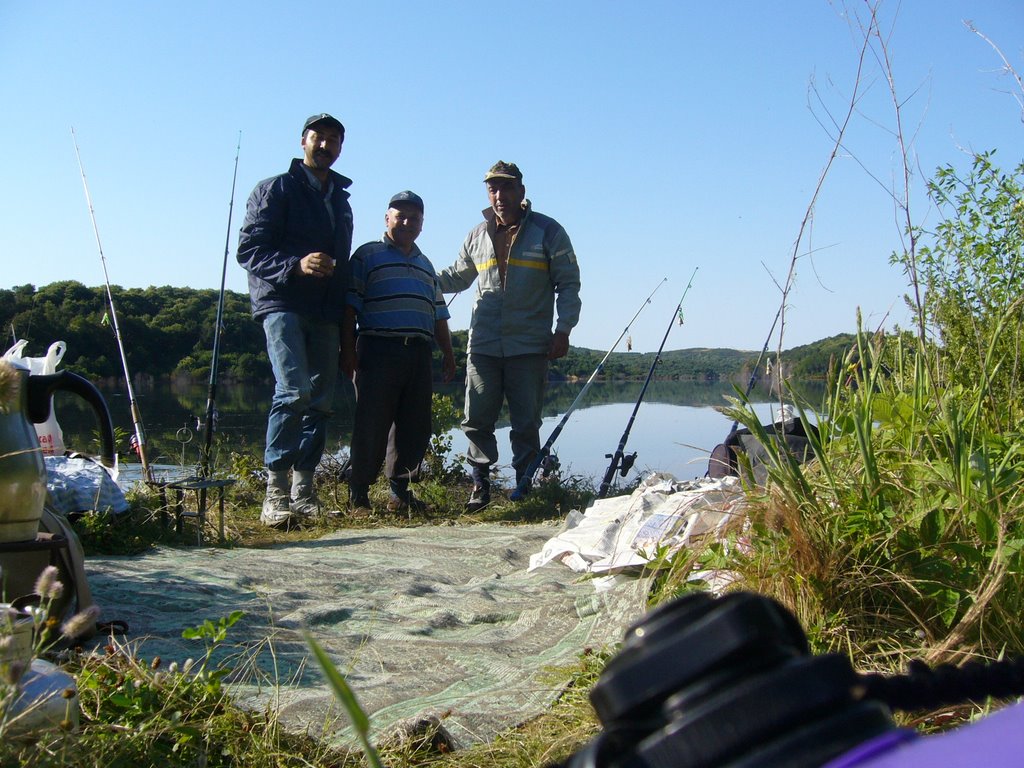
295	244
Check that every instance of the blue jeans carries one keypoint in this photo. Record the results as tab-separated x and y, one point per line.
304	355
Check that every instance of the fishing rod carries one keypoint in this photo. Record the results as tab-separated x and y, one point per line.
619	462
523	486
757	365
211	395
140	432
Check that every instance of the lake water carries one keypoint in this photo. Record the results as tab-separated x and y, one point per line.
675	427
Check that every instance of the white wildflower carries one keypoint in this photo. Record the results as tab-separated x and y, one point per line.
80	623
47	585
12	671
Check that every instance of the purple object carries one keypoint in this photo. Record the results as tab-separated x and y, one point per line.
993	741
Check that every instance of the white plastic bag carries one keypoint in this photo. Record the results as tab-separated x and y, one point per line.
51	437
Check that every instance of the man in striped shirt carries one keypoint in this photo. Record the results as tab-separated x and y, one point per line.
397	304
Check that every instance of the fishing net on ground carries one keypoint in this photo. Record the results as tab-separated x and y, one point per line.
443	621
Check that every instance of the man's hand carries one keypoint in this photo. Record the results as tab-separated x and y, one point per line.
348	363
316	265
447	367
443	337
559	346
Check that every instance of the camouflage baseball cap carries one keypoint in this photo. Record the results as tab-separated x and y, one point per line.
503	170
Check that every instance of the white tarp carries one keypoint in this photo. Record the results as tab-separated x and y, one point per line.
661	516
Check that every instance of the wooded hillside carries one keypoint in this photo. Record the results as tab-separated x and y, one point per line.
169	332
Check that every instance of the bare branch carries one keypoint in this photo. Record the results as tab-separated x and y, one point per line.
1007	67
837	145
904	167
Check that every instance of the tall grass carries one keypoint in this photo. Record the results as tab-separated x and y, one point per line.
904	537
137	712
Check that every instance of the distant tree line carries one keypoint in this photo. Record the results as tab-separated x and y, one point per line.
168	332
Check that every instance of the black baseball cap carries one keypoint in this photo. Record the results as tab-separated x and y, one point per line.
325	118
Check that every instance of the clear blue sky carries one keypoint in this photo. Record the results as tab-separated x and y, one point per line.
663	135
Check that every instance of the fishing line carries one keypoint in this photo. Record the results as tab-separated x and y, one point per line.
184	436
140	432
624	463
523	486
211	395
757	364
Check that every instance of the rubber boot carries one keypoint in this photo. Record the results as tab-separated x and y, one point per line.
481	495
276	513
304	501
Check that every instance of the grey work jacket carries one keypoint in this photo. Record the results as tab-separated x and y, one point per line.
542	277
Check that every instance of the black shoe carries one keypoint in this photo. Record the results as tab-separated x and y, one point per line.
479	499
359	503
405	501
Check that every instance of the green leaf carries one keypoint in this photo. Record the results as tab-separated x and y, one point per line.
931	527
984	525
1012	547
948	601
346	697
120	700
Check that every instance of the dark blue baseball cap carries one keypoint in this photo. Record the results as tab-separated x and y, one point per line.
326	119
406	197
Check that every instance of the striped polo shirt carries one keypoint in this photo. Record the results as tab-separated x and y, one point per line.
394	294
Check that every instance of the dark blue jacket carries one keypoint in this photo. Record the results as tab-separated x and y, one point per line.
285	219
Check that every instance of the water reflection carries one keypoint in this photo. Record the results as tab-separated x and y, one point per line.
674	430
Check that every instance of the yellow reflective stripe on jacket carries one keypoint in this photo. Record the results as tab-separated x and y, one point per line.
541	264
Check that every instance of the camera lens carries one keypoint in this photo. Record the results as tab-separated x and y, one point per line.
697	638
712	683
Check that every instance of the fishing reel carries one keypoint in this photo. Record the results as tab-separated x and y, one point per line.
544	469
621	463
549	466
626	462
705	682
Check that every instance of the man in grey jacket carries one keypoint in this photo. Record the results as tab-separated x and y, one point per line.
526	273
295	244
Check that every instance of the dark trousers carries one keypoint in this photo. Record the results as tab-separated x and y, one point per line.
393	387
